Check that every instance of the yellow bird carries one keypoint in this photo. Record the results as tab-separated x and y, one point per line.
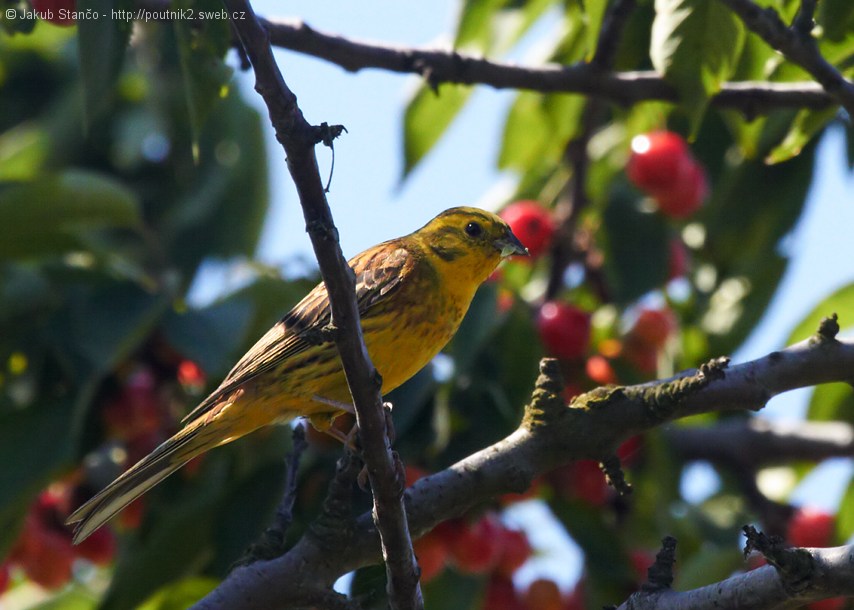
412	294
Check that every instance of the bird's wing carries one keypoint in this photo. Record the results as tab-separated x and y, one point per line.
380	271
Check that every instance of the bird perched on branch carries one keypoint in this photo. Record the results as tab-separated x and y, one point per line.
412	293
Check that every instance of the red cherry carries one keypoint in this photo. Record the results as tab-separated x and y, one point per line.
581	480
57	12
501	595
432	553
45	554
630	450
570	391
641	561
658	159
677	264
575	600
413	473
191	375
99	547
5	576
515	552
131	516
811	527
599	370
642	356
831	603
686	195
532	224
543	594
477	546
564	329
653	327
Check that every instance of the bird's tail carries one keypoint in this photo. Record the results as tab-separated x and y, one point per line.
145	474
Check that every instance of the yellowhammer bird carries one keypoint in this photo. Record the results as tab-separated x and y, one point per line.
412	294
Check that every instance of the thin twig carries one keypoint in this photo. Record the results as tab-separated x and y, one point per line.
444	66
574	198
298	138
797	46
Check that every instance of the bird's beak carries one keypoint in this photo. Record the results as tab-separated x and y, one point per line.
510	244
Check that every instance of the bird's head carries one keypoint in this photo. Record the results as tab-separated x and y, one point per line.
468	241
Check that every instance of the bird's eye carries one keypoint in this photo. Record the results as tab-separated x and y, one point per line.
473	229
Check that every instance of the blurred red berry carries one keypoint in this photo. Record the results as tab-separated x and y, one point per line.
575	600
686	195
413	473
543	594
629	451
641	356
190	374
131	516
99	547
653	327
57	12
582	480
532	224
831	603
641	560
811	527
45	554
477	546
515	551
135	411
432	553
570	391
564	329
5	576
657	160
599	369
677	263
501	595
532	492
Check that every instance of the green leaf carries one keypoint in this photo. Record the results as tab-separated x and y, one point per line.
637	248
841	301
845	514
426	118
537	129
473	28
454	590
202	45
37	444
180	595
832	402
805	126
49	215
75	597
836	18
210	337
101	50
711	563
594	13
695	45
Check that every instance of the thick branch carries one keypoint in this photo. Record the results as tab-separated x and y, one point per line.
797	45
830	575
551	434
755	442
299	138
449	67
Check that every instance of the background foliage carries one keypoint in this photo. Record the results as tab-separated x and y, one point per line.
129	159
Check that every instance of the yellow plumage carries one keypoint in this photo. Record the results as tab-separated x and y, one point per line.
412	294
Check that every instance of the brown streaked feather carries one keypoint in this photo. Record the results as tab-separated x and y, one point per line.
379	273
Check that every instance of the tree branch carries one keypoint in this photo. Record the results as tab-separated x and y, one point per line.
625	88
830	573
797	45
756	442
551	434
299	138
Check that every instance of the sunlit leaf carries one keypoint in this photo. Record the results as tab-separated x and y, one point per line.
695	45
805	126
841	302
427	117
